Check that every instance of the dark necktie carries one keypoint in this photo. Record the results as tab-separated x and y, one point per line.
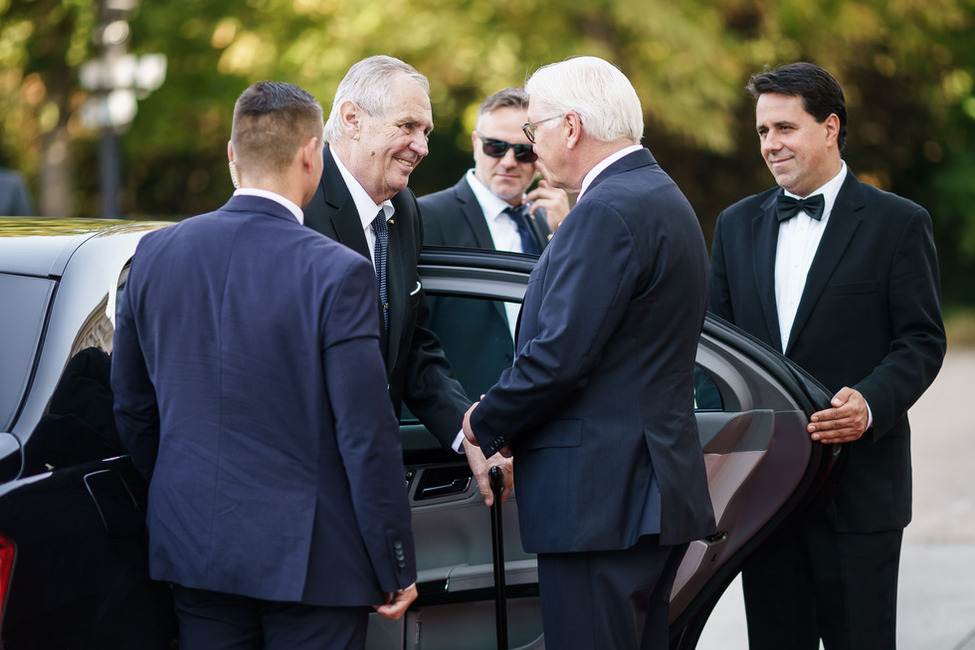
787	207
529	243
382	243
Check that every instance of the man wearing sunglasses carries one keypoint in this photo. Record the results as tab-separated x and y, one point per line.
488	208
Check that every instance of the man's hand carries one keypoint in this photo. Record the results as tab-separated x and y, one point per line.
555	202
468	432
397	602
480	466
845	422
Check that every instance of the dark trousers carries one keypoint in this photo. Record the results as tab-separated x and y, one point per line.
215	621
609	600
814	583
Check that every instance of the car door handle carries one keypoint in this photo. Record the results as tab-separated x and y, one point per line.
443	481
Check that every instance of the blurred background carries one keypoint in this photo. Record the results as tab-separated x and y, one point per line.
122	108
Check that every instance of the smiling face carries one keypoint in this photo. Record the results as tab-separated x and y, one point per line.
505	176
801	153
386	149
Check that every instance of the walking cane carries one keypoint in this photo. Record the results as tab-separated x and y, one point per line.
497	543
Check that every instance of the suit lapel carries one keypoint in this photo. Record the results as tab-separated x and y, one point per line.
473	214
843	223
340	212
765	233
337	217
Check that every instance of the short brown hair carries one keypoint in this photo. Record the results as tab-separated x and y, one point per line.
272	120
507	98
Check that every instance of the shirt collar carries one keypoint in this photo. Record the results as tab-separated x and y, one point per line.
830	190
603	164
277	198
491	204
364	205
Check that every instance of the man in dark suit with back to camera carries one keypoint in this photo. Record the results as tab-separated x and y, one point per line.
843	278
488	208
377	134
250	391
598	408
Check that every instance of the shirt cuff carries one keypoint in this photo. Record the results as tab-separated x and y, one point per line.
458	444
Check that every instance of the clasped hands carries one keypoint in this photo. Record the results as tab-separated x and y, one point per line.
481	466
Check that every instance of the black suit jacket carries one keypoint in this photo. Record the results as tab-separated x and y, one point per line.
475	334
453	217
418	372
869	318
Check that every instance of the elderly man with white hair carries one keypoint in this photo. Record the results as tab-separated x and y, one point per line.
597	408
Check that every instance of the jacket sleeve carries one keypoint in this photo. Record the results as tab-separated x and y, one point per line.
431	389
136	409
366	429
918	343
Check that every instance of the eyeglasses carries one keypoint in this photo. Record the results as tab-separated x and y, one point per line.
529	127
495	148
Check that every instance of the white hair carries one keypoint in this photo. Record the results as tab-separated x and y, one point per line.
595	89
368	85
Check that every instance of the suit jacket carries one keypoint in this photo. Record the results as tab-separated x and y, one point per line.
453	217
475	334
418	372
250	389
869	318
598	407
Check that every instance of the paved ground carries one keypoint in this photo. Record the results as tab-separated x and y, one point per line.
936	604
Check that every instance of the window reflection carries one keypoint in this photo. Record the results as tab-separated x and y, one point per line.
476	337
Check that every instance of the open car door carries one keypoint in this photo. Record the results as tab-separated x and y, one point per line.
752	409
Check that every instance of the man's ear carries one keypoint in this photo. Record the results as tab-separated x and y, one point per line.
309	152
350	116
832	124
572	128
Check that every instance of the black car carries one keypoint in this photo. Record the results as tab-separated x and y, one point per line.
72	541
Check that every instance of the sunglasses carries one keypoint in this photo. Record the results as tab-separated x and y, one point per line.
494	148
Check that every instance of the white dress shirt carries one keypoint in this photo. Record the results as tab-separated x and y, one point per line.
603	164
795	250
277	198
365	206
504	232
797	244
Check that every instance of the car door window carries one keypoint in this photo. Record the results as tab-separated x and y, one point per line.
22	323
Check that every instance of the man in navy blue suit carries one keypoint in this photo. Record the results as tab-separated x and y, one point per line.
843	279
598	408
250	390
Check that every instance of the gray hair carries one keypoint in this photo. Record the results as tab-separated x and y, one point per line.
367	84
595	89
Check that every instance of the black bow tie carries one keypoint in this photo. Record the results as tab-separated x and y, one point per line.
787	207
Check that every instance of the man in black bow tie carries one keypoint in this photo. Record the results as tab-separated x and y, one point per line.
843	278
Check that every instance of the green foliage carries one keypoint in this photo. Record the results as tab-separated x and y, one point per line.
907	66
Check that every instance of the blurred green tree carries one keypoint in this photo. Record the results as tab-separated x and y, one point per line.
907	68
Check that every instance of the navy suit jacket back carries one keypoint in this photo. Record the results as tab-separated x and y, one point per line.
249	386
599	404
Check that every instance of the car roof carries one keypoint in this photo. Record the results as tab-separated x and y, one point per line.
43	246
